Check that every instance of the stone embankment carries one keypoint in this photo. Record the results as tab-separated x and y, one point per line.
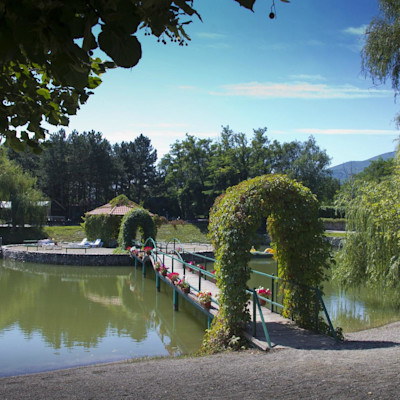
66	256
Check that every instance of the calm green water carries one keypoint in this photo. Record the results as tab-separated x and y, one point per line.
55	317
353	310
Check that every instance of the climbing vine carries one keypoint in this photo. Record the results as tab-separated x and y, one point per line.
137	218
300	250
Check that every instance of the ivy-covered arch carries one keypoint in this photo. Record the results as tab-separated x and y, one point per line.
300	249
137	218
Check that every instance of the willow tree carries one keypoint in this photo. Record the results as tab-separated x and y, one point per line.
381	52
19	188
371	253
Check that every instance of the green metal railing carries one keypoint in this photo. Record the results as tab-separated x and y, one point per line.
174	250
318	301
157	254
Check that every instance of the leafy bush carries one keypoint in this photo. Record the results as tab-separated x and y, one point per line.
137	218
18	235
103	226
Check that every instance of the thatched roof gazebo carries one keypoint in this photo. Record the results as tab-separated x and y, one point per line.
120	205
104	222
109	209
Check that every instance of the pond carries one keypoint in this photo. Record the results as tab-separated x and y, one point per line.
57	317
352	309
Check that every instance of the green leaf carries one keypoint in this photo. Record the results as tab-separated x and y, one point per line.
186	8
247	3
126	51
93	82
44	93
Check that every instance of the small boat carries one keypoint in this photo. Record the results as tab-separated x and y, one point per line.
261	254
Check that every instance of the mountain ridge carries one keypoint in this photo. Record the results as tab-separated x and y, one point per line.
345	170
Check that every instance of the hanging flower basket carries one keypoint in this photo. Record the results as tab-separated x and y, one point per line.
190	263
204	299
163	270
201	267
261	291
207	304
173	277
147	250
184	286
157	266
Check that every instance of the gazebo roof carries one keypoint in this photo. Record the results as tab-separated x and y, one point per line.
110	209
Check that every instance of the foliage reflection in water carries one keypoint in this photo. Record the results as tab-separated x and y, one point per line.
56	317
352	309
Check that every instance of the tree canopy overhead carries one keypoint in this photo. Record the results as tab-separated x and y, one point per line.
47	64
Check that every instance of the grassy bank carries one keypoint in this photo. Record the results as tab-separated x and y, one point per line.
188	233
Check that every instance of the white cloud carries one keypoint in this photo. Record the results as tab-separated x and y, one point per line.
357	31
187	87
306	77
318	131
298	90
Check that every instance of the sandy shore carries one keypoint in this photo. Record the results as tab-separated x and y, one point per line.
366	366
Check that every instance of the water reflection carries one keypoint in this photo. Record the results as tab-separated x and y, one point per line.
54	316
352	309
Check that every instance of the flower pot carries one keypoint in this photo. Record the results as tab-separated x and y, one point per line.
186	290
262	302
207	304
164	273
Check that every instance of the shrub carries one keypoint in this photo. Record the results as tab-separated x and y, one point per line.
137	218
103	226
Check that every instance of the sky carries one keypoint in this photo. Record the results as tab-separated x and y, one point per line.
298	75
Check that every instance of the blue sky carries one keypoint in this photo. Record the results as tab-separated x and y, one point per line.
297	75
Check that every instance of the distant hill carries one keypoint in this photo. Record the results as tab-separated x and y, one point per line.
345	170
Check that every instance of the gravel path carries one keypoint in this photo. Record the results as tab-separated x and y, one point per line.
366	366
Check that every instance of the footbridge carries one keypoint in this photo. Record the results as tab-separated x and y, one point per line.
173	261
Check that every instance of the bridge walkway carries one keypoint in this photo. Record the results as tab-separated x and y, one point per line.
280	332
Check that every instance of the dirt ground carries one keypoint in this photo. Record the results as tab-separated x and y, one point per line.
365	366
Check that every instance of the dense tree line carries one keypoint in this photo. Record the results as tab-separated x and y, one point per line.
196	171
20	200
81	171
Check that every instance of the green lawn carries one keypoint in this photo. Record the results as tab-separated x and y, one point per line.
65	233
335	234
188	233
